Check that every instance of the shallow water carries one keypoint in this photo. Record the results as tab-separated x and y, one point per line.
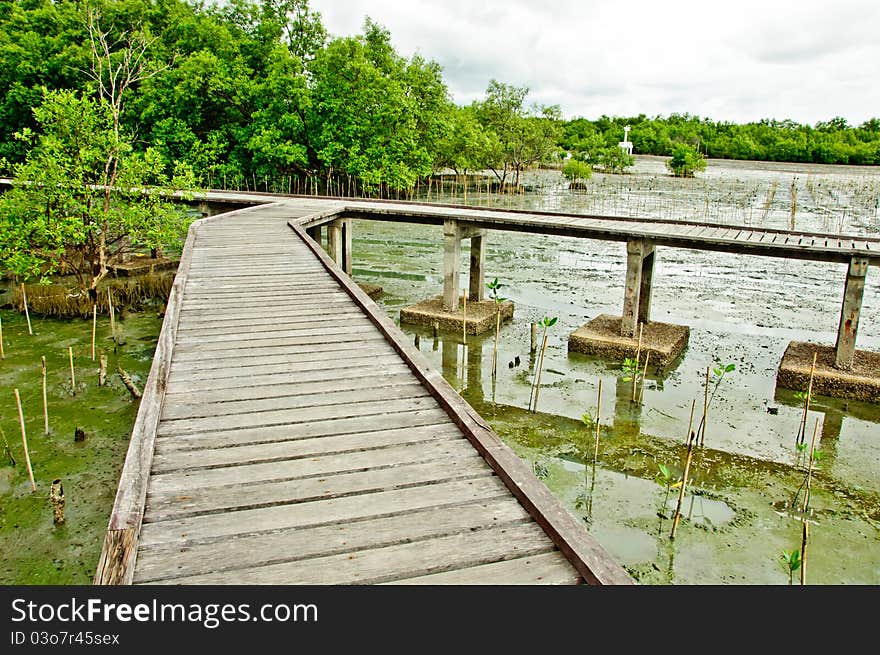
741	309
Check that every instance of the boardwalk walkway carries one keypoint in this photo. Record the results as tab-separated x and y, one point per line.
290	436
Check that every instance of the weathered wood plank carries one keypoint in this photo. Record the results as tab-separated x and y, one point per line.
183	532
285	545
374	426
201	500
547	568
393	562
414	401
201	379
210	342
404	387
343	380
236	457
308	348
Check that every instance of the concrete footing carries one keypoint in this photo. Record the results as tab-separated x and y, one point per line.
860	382
601	338
480	315
374	291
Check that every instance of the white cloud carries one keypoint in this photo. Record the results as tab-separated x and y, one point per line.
740	61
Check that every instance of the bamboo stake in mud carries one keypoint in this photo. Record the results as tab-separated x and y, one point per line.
705	410
638	357
27	314
802	433
102	373
691	441
644	375
810	469
598	411
72	374
112	315
56	495
2	353
94	327
45	403
540	366
533	344
27	457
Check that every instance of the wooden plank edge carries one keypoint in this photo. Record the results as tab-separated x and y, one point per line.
586	554
119	549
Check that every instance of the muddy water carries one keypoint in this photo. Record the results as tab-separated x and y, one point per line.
35	551
741	310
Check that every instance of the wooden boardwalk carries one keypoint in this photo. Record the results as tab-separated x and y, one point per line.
290	435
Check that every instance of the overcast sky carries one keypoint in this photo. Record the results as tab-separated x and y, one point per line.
743	60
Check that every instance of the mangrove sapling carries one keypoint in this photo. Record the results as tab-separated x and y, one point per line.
816	455
27	457
720	372
494	287
545	323
665	479
2	352
638	356
791	560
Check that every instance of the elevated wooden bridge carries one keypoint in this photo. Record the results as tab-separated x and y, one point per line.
289	433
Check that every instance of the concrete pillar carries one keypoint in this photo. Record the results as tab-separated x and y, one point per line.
346	246
637	291
477	287
451	262
334	241
849	313
645	288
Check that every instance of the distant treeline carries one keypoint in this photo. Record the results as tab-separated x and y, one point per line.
831	142
246	91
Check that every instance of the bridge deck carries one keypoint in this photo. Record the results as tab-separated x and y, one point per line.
297	441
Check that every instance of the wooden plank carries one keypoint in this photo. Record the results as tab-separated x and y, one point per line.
546	568
298	363
283	545
350	433
308	349
427	446
192	409
201	500
411	401
183	532
269	325
372	566
343	380
209	342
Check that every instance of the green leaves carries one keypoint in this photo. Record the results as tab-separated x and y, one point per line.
494	286
686	161
547	322
791	560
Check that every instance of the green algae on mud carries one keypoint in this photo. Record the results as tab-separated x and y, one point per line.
35	551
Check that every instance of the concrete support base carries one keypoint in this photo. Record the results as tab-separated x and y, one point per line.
480	315
860	382
374	291
601	338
